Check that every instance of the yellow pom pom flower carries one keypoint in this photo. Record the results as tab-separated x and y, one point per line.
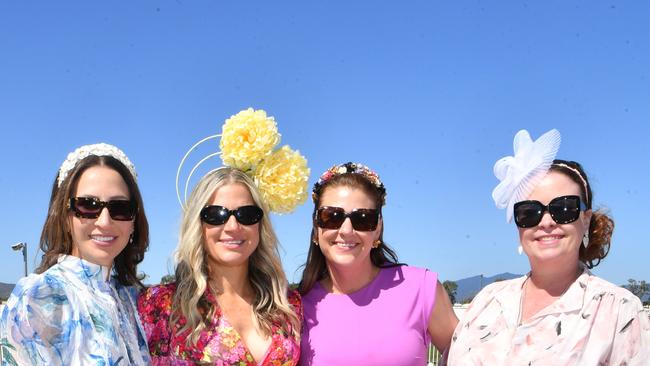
282	179
247	138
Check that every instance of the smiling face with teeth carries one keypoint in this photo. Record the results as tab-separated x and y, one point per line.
232	243
345	248
549	242
100	240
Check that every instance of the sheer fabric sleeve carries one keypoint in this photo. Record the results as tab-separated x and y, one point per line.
38	326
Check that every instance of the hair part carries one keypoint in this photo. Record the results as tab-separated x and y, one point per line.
56	236
315	268
265	271
601	225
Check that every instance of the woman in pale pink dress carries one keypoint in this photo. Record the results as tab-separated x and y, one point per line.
560	313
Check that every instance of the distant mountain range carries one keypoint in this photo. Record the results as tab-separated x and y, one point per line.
5	290
470	286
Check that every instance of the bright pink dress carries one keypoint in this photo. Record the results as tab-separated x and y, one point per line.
384	323
219	344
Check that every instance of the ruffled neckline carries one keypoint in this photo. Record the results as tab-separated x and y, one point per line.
84	269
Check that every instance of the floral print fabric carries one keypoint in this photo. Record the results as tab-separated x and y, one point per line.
593	323
218	344
71	315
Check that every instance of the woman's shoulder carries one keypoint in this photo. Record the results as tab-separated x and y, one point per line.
49	286
293	296
156	299
411	273
496	290
602	290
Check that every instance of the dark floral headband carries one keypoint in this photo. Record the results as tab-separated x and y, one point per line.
350	168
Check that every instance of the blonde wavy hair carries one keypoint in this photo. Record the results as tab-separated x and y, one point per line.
264	267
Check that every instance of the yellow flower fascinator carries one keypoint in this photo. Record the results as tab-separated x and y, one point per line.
248	142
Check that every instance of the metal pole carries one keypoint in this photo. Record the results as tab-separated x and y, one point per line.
22	246
25	257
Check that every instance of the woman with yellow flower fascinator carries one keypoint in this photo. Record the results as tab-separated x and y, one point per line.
230	303
362	307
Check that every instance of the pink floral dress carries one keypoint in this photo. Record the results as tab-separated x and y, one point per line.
593	323
218	344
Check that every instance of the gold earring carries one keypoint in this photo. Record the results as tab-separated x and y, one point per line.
376	244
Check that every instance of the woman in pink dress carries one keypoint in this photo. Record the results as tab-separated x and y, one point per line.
360	306
559	313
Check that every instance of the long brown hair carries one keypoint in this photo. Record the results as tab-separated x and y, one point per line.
56	237
316	265
601	226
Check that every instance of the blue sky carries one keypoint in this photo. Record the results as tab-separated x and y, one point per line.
430	94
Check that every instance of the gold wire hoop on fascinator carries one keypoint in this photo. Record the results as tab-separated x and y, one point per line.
248	140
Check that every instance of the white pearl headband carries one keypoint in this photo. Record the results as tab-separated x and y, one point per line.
100	149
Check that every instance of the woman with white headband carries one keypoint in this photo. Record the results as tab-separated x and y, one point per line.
80	306
559	313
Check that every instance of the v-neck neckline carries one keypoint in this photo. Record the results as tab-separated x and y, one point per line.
221	319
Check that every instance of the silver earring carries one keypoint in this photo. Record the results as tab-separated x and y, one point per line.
131	239
520	250
585	240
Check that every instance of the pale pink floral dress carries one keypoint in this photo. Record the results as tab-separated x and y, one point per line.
593	323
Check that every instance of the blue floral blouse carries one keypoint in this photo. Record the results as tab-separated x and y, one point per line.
72	315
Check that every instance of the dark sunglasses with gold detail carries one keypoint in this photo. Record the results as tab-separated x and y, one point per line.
362	219
91	208
563	210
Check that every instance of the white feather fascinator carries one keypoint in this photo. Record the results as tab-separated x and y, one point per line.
520	174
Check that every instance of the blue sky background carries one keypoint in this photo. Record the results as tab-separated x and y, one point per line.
430	94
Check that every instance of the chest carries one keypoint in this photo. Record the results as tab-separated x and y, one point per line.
495	338
346	333
222	343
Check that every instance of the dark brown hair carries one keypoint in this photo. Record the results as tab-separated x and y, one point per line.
315	267
56	236
601	225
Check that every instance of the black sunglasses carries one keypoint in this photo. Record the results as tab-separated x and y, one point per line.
563	210
91	208
362	219
218	215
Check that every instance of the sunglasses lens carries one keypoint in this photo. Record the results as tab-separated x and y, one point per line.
330	217
121	210
86	207
364	219
528	213
249	215
565	209
214	215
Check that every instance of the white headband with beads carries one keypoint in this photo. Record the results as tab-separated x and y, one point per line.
83	152
577	172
